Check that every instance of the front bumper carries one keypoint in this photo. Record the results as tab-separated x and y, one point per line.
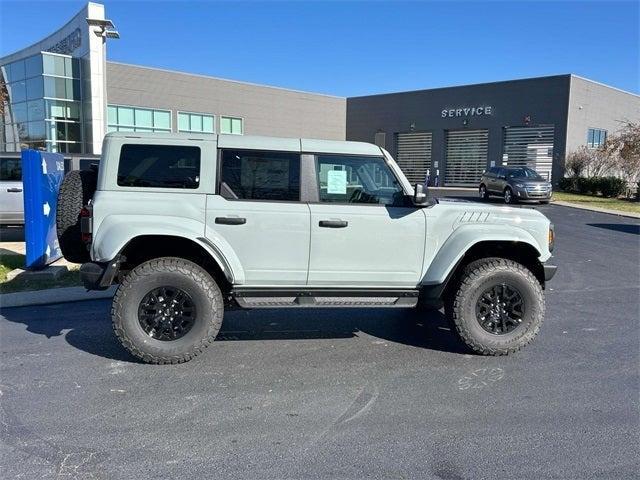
99	275
549	271
526	195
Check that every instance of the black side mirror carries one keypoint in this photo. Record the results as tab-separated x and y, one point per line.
420	195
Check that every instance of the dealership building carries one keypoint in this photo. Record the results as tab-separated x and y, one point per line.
62	95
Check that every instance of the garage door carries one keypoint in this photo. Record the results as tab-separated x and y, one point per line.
529	147
414	155
466	157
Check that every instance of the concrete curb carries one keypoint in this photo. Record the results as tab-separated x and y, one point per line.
52	295
596	209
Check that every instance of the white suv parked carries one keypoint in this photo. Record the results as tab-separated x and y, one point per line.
188	226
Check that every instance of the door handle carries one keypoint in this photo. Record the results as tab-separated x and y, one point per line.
14	190
333	223
231	220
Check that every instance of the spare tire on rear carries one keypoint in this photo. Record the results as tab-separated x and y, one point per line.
75	192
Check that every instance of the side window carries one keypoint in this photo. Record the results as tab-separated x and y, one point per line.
159	166
260	175
353	179
11	169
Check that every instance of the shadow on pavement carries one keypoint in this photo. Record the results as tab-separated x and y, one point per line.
618	227
87	326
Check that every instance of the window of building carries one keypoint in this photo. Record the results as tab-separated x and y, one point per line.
195	122
596	137
33	66
233	125
11	169
59	65
351	179
133	119
259	175
17	91
159	166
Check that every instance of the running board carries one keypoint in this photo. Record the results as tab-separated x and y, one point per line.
324	298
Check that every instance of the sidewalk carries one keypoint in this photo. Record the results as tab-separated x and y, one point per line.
52	295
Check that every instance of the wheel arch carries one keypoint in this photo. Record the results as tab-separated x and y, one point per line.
468	244
146	247
434	292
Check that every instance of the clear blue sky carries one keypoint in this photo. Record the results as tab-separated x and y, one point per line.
358	48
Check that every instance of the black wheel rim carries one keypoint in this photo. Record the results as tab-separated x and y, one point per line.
500	309
167	313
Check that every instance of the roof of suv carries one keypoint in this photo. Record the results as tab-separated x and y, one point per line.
253	142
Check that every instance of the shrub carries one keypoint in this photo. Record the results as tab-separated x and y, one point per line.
611	186
587	185
568	184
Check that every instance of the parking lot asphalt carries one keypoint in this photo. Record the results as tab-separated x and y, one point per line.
341	393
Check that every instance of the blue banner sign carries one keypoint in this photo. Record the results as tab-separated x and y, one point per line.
42	175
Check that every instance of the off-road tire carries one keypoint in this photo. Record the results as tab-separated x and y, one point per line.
475	279
75	192
172	272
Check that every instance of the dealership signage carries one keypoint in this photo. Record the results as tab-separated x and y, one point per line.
467	111
68	44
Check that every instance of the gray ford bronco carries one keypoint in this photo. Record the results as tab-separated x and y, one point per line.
189	226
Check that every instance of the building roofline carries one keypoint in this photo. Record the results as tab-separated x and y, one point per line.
210	77
605	85
465	85
42	40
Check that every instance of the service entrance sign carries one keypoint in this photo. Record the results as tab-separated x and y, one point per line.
42	175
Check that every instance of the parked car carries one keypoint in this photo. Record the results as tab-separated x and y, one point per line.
189	226
11	200
515	184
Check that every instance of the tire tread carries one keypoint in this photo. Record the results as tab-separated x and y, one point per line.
161	265
472	272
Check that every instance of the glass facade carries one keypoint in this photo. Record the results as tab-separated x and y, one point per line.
122	118
195	122
41	104
232	125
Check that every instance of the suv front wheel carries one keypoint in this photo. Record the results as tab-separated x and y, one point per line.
508	196
167	310
498	306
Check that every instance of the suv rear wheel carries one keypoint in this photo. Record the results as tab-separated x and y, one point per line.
482	192
167	310
498	307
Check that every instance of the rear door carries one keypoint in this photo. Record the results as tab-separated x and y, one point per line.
11	195
258	211
363	233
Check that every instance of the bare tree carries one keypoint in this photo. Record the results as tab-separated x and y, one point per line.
624	149
589	162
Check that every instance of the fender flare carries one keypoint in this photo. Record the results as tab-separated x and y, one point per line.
116	231
465	237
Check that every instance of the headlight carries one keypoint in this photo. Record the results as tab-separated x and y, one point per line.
518	185
552	238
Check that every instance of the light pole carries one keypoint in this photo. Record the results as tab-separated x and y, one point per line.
104	29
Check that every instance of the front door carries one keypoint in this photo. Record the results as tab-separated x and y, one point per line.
259	213
363	234
11	202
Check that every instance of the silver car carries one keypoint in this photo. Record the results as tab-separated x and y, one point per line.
11	203
515	184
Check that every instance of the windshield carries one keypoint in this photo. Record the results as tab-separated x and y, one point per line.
524	173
